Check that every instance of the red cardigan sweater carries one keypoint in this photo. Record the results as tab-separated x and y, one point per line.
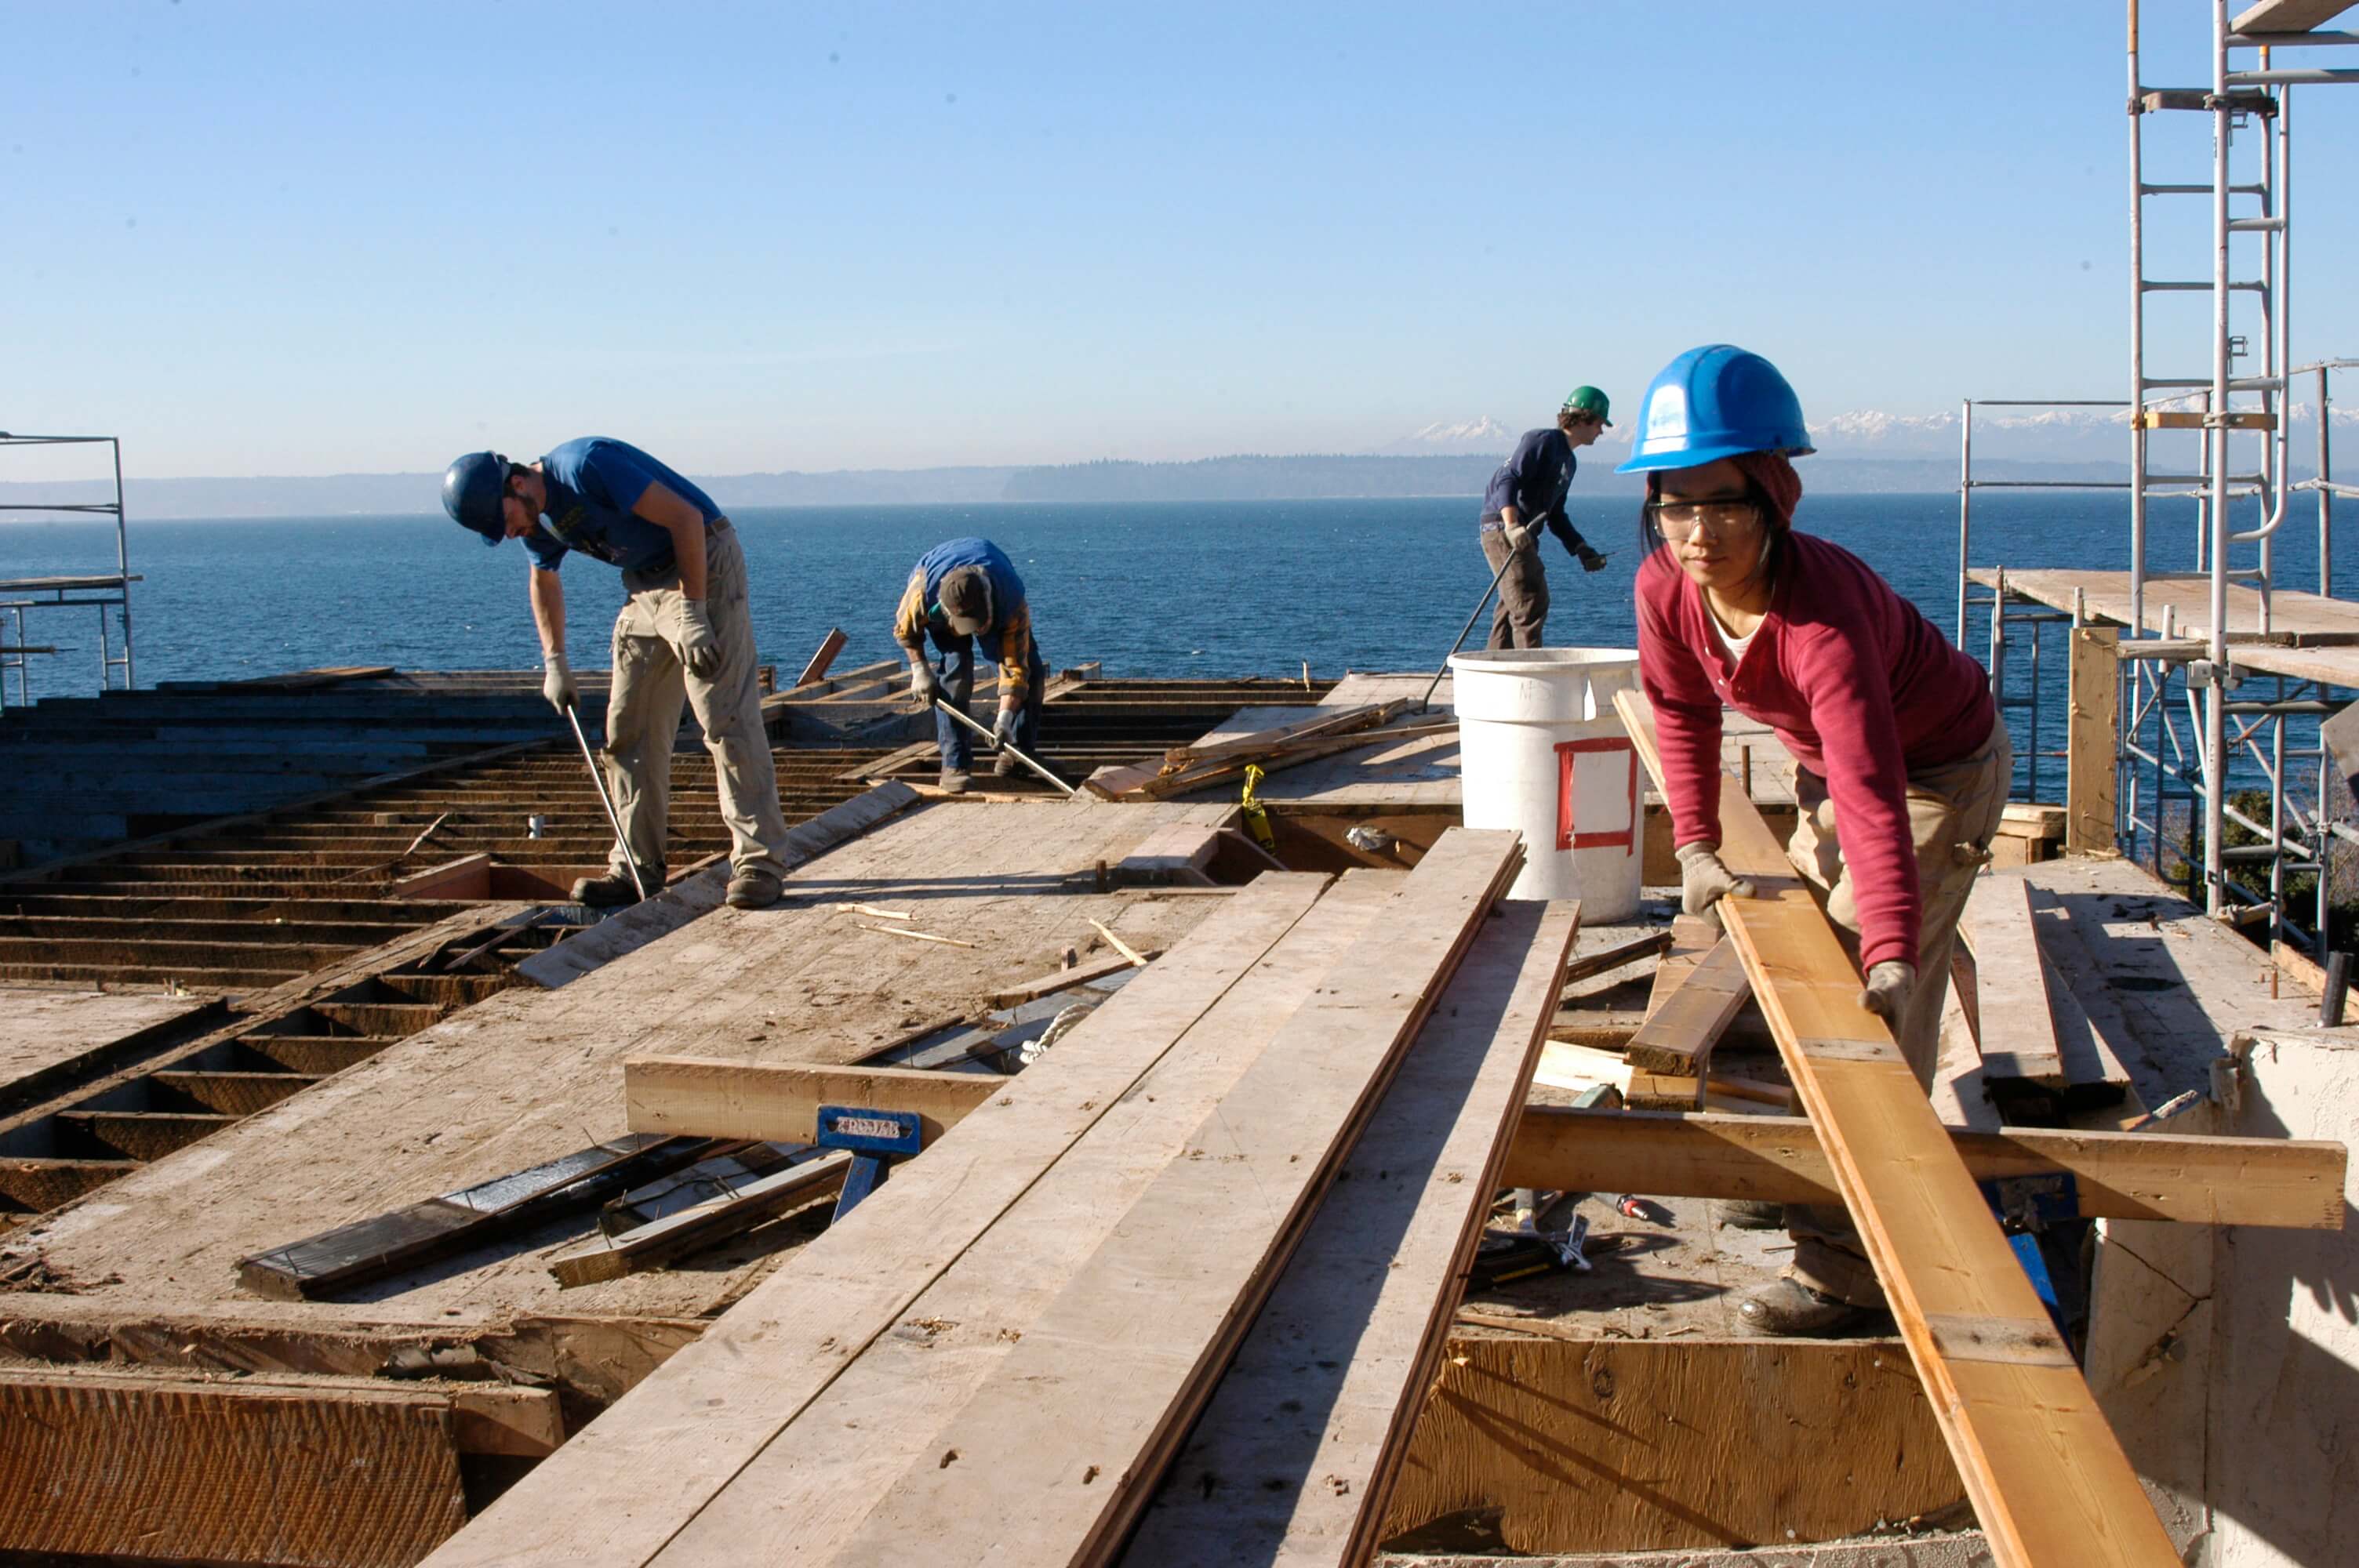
1860	687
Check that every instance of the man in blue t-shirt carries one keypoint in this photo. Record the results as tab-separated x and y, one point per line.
684	635
1526	493
965	592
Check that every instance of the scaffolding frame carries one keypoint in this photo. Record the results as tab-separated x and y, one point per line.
2195	727
99	592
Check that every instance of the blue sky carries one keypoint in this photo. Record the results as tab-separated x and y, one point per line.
267	238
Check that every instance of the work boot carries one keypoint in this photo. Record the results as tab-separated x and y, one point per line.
614	890
953	781
755	887
1752	1214
1004	765
1789	1309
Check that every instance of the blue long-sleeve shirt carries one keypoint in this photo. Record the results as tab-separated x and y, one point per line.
1534	481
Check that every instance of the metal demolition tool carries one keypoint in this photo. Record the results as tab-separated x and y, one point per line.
597	782
953	710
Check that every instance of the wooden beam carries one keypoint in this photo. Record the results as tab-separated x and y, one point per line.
778	1102
2288	15
1589	966
2090	759
1099	1393
1380	1271
2011	1010
615	1496
2048	1479
2117	1175
821	656
319	1266
659	1241
1080	974
1682	1027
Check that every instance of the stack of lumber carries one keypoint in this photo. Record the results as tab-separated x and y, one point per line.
1697	989
2048	1479
998	1354
1214	761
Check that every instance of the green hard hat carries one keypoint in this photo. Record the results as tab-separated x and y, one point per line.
1589	400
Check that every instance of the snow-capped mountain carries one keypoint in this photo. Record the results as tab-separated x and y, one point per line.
1476	436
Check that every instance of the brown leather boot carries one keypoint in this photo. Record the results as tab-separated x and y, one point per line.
1789	1309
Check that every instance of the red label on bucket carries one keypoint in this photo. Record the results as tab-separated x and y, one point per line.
1624	837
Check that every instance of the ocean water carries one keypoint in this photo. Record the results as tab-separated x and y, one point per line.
1168	589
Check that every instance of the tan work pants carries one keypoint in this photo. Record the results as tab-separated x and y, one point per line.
1953	814
1521	618
642	715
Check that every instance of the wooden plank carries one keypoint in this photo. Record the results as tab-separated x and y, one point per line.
1300	1445
2011	1009
613	1495
349	1255
1588	966
778	1102
1099	1393
822	657
2117	1175
1621	1446
2046	1474
1572	1065
628	930
1293	753
1080	974
820	1477
659	1241
1682	1027
121	1465
2288	15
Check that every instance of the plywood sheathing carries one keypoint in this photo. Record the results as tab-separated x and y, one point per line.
518	1080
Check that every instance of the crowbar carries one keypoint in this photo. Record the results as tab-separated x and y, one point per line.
598	781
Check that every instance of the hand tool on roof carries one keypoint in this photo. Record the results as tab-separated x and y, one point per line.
1425	703
875	1138
598	783
997	744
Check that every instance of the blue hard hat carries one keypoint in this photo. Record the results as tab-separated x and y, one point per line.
472	489
1715	402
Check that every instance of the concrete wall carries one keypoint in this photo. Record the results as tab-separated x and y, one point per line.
2228	1359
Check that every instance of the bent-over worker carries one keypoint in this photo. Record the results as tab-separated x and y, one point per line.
1902	765
684	634
964	592
1526	494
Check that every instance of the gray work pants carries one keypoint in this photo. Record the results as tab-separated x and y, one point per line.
643	715
1521	618
1953	814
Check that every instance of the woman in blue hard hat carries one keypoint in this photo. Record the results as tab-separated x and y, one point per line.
1902	766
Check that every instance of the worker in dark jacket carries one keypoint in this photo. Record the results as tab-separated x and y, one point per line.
684	636
964	592
1527	494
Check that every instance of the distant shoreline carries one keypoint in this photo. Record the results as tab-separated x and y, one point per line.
1209	480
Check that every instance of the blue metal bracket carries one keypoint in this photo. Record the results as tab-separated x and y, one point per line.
875	1139
2026	1207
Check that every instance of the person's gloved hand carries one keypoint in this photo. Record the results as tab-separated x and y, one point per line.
1003	728
1704	880
1519	537
700	650
1889	984
556	682
1590	559
924	684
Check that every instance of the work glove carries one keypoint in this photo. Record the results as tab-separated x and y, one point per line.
924	684
1887	989
556	682
1519	537
1590	559
700	650
1003	728
1704	880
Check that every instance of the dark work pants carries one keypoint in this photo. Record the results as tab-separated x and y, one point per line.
1521	618
957	666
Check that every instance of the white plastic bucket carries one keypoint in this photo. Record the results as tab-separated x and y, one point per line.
1543	752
